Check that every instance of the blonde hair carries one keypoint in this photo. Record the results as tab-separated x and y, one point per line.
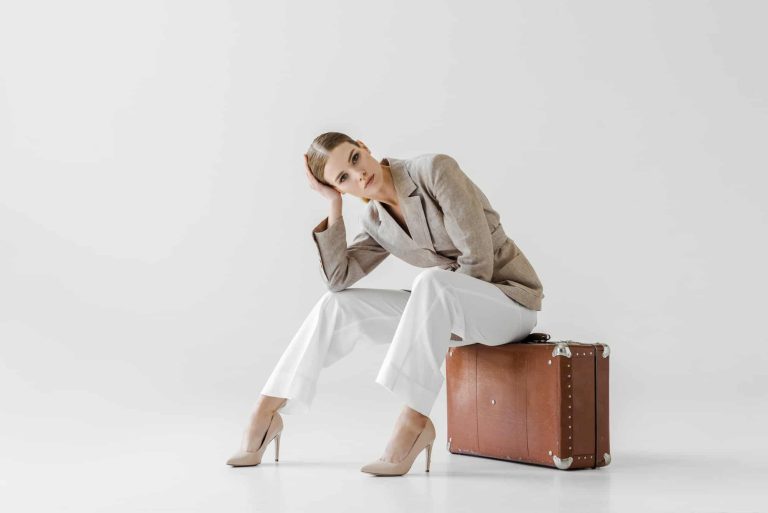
321	147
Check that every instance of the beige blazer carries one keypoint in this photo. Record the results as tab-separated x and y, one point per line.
452	226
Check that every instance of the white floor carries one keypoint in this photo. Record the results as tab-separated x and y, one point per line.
85	454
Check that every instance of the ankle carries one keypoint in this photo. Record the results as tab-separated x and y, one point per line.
268	406
414	419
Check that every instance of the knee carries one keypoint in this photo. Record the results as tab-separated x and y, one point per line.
328	298
431	278
335	299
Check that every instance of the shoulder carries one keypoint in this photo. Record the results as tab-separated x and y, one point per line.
428	168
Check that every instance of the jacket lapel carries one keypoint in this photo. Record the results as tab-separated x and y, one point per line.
412	207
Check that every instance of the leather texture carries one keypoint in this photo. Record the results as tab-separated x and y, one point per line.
452	225
518	402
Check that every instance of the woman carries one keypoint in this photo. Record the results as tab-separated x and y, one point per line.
478	288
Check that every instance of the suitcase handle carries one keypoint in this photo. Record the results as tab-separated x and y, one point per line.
535	337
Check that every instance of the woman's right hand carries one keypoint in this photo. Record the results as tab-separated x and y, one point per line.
325	191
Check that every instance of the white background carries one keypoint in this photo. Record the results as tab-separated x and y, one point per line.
156	253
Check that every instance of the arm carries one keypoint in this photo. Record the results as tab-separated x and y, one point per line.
342	266
464	218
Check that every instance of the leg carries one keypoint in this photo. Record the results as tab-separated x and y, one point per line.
334	326
442	303
331	331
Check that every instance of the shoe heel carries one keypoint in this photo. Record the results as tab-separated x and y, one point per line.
429	455
277	447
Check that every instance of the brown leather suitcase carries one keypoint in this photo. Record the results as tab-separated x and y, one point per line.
535	401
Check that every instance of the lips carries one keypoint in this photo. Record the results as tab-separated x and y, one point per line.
369	182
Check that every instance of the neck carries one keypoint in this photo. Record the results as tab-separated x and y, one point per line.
388	194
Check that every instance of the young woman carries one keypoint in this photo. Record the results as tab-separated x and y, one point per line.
478	288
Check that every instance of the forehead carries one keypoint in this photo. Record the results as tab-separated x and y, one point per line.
338	160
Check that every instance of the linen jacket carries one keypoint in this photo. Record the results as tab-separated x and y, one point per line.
451	223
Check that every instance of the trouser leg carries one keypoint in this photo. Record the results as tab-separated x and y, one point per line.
334	326
444	302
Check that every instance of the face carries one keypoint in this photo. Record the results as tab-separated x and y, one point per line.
349	168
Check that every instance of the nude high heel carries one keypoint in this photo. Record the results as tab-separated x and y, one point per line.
386	468
251	458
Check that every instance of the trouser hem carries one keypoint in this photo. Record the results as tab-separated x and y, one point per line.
299	391
414	394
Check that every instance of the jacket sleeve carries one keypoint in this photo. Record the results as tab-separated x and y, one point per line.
464	218
342	266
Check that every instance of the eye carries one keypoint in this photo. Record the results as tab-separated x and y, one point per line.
354	159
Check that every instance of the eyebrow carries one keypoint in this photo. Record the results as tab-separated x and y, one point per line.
349	159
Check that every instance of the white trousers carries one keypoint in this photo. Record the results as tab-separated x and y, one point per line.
418	324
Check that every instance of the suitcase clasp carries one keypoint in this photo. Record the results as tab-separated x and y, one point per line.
561	349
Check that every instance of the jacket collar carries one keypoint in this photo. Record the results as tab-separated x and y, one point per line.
412	207
404	184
